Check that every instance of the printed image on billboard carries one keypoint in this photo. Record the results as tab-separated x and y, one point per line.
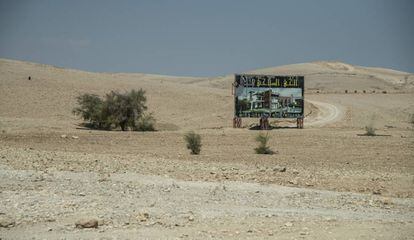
269	96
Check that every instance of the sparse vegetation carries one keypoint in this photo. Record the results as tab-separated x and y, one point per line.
263	139
145	123
370	131
116	110
193	142
346	91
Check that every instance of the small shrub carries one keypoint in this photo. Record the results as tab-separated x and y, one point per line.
355	91
193	142
145	123
363	91
263	148
370	131
346	91
384	92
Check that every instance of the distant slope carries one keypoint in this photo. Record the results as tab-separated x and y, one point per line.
50	95
46	101
335	77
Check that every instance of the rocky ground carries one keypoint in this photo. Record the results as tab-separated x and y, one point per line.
129	205
327	181
54	183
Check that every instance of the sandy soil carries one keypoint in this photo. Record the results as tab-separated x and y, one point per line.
324	182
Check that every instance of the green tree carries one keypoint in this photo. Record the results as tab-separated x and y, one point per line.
122	110
90	109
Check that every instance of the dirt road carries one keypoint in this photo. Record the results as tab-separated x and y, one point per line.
327	113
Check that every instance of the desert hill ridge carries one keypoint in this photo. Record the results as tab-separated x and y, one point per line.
322	69
332	76
177	102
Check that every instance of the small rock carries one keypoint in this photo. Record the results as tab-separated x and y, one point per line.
63	136
288	224
377	192
294	182
75	137
143	217
7	223
279	169
87	223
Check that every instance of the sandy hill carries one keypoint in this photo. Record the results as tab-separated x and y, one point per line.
178	102
325	181
336	77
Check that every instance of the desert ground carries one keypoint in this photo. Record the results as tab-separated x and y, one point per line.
325	181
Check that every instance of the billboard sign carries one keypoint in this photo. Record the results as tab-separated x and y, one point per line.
269	96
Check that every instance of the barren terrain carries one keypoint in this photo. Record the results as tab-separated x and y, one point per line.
324	182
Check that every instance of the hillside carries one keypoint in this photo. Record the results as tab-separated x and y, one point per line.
326	181
178	102
336	77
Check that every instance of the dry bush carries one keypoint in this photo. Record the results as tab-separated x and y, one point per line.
145	123
263	148
370	128
370	131
193	142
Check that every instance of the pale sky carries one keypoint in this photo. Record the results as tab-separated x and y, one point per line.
206	37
